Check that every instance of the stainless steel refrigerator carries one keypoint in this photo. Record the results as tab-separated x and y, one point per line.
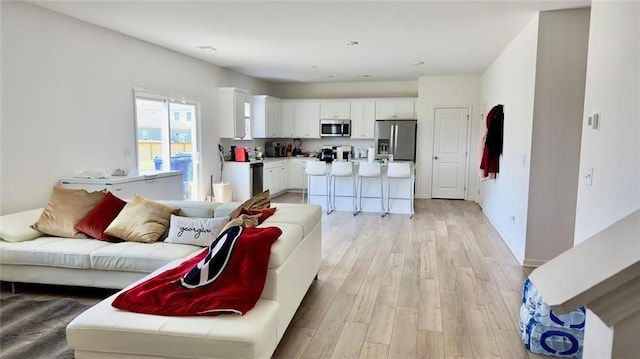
396	139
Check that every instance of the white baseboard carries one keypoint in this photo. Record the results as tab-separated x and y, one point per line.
533	263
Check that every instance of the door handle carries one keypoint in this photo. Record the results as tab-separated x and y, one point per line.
435	157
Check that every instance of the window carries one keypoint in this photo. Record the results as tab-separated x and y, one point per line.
165	145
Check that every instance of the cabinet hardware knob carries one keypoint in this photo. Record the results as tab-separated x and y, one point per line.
435	157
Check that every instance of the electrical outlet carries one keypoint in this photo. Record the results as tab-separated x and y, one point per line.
126	153
513	219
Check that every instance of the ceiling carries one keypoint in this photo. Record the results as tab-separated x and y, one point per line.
306	41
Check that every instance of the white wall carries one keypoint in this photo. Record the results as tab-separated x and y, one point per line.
345	89
613	90
68	102
510	80
613	151
447	91
557	128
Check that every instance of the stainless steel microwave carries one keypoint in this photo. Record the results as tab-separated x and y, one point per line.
334	128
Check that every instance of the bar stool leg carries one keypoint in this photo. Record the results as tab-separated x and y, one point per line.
411	195
359	194
328	192
388	194
382	213
353	201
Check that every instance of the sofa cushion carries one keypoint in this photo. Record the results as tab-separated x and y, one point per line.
65	208
141	220
199	209
100	217
195	231
51	252
104	329
16	227
308	216
285	245
139	257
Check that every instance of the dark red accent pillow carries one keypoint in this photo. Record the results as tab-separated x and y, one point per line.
100	216
263	214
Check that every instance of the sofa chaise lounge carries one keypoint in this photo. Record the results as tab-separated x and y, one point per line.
105	332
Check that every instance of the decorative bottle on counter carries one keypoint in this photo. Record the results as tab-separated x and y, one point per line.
372	154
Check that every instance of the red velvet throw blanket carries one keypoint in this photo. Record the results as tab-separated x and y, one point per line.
236	290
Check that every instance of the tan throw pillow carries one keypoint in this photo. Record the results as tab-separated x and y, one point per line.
243	220
259	201
66	207
141	220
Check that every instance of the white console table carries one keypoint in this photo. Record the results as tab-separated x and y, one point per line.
153	185
603	274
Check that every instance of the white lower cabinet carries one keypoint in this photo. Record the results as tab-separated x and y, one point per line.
275	176
296	173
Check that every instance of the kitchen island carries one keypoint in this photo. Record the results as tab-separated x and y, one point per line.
400	192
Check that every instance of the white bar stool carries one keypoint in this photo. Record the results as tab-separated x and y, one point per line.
370	170
317	169
399	170
342	169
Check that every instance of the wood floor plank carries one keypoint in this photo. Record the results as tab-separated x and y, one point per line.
510	344
430	345
350	342
365	301
326	338
454	328
429	311
374	351
294	343
408	296
404	339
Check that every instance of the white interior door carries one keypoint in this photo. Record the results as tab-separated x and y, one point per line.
450	153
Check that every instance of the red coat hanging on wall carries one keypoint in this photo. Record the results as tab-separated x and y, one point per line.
490	163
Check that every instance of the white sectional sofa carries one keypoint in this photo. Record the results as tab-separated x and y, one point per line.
106	332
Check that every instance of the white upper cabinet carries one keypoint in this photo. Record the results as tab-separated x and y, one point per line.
286	119
306	119
335	110
363	119
234	111
394	109
266	119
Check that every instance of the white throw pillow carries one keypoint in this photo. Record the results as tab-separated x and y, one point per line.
16	227
195	231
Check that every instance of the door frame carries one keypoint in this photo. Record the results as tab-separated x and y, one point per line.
467	162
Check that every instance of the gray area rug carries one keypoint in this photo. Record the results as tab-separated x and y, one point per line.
36	329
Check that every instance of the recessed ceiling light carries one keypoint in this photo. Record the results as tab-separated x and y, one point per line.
364	76
418	63
352	43
314	67
330	76
207	48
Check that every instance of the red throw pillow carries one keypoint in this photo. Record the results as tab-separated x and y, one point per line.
101	215
263	214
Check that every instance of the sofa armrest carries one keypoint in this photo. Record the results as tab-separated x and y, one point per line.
16	227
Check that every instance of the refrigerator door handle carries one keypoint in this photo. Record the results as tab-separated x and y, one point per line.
395	139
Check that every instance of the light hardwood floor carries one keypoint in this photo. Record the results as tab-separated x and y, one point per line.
440	285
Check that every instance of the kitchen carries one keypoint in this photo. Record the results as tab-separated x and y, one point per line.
291	131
